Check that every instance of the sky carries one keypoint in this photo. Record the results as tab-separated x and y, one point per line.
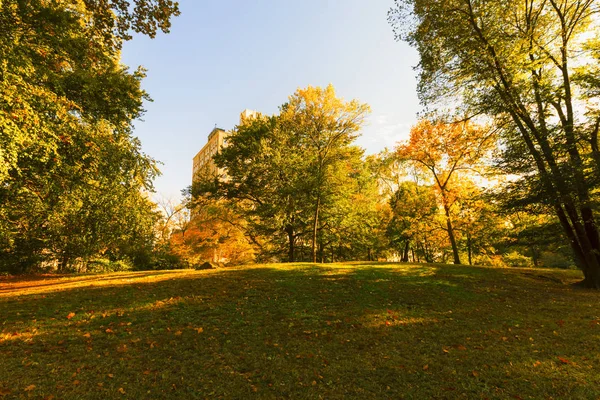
224	56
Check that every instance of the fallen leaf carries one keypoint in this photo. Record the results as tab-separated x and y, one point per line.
178	333
87	335
461	348
29	388
108	330
564	360
71	315
76	382
121	390
199	330
425	367
110	375
537	364
475	374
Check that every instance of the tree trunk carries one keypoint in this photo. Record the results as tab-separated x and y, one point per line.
451	235
332	253
315	226
321	251
406	250
291	239
469	249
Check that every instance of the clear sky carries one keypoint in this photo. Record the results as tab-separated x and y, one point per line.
223	56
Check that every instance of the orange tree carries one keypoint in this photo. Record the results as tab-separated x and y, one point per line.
443	151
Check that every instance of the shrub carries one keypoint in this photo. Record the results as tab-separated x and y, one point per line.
103	265
556	260
489	261
518	260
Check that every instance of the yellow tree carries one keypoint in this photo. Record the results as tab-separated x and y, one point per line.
324	126
443	151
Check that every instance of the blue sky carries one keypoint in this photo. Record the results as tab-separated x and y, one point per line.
223	56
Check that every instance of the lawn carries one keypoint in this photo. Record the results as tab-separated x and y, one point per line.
301	331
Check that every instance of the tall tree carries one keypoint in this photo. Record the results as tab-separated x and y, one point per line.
69	160
444	150
267	179
324	125
517	61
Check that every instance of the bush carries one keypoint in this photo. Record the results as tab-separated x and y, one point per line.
517	260
556	260
489	261
103	265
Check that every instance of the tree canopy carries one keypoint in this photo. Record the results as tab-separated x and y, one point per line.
72	175
528	65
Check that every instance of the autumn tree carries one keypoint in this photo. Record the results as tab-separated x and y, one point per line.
267	182
413	208
72	176
443	151
529	65
324	125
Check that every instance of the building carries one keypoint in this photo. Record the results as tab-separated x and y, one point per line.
203	161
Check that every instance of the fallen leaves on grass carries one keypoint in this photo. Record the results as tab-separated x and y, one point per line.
70	315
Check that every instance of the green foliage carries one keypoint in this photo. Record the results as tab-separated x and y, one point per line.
298	182
72	176
103	265
551	259
514	259
530	67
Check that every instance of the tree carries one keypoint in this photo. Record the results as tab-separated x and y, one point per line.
413	208
291	174
266	181
530	66
444	150
69	161
324	126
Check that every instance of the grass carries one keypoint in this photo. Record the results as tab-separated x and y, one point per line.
360	330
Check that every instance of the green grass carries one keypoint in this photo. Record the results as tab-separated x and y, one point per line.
300	331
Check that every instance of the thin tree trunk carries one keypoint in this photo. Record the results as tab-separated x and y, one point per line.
406	250
315	226
291	239
469	249
451	235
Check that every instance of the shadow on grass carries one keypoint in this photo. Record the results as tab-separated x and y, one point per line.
305	331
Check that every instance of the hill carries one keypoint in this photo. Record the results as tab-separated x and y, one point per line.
360	330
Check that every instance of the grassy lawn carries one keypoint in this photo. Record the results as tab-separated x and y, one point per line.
301	331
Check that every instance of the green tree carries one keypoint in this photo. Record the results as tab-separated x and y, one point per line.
324	126
266	180
517	61
69	164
